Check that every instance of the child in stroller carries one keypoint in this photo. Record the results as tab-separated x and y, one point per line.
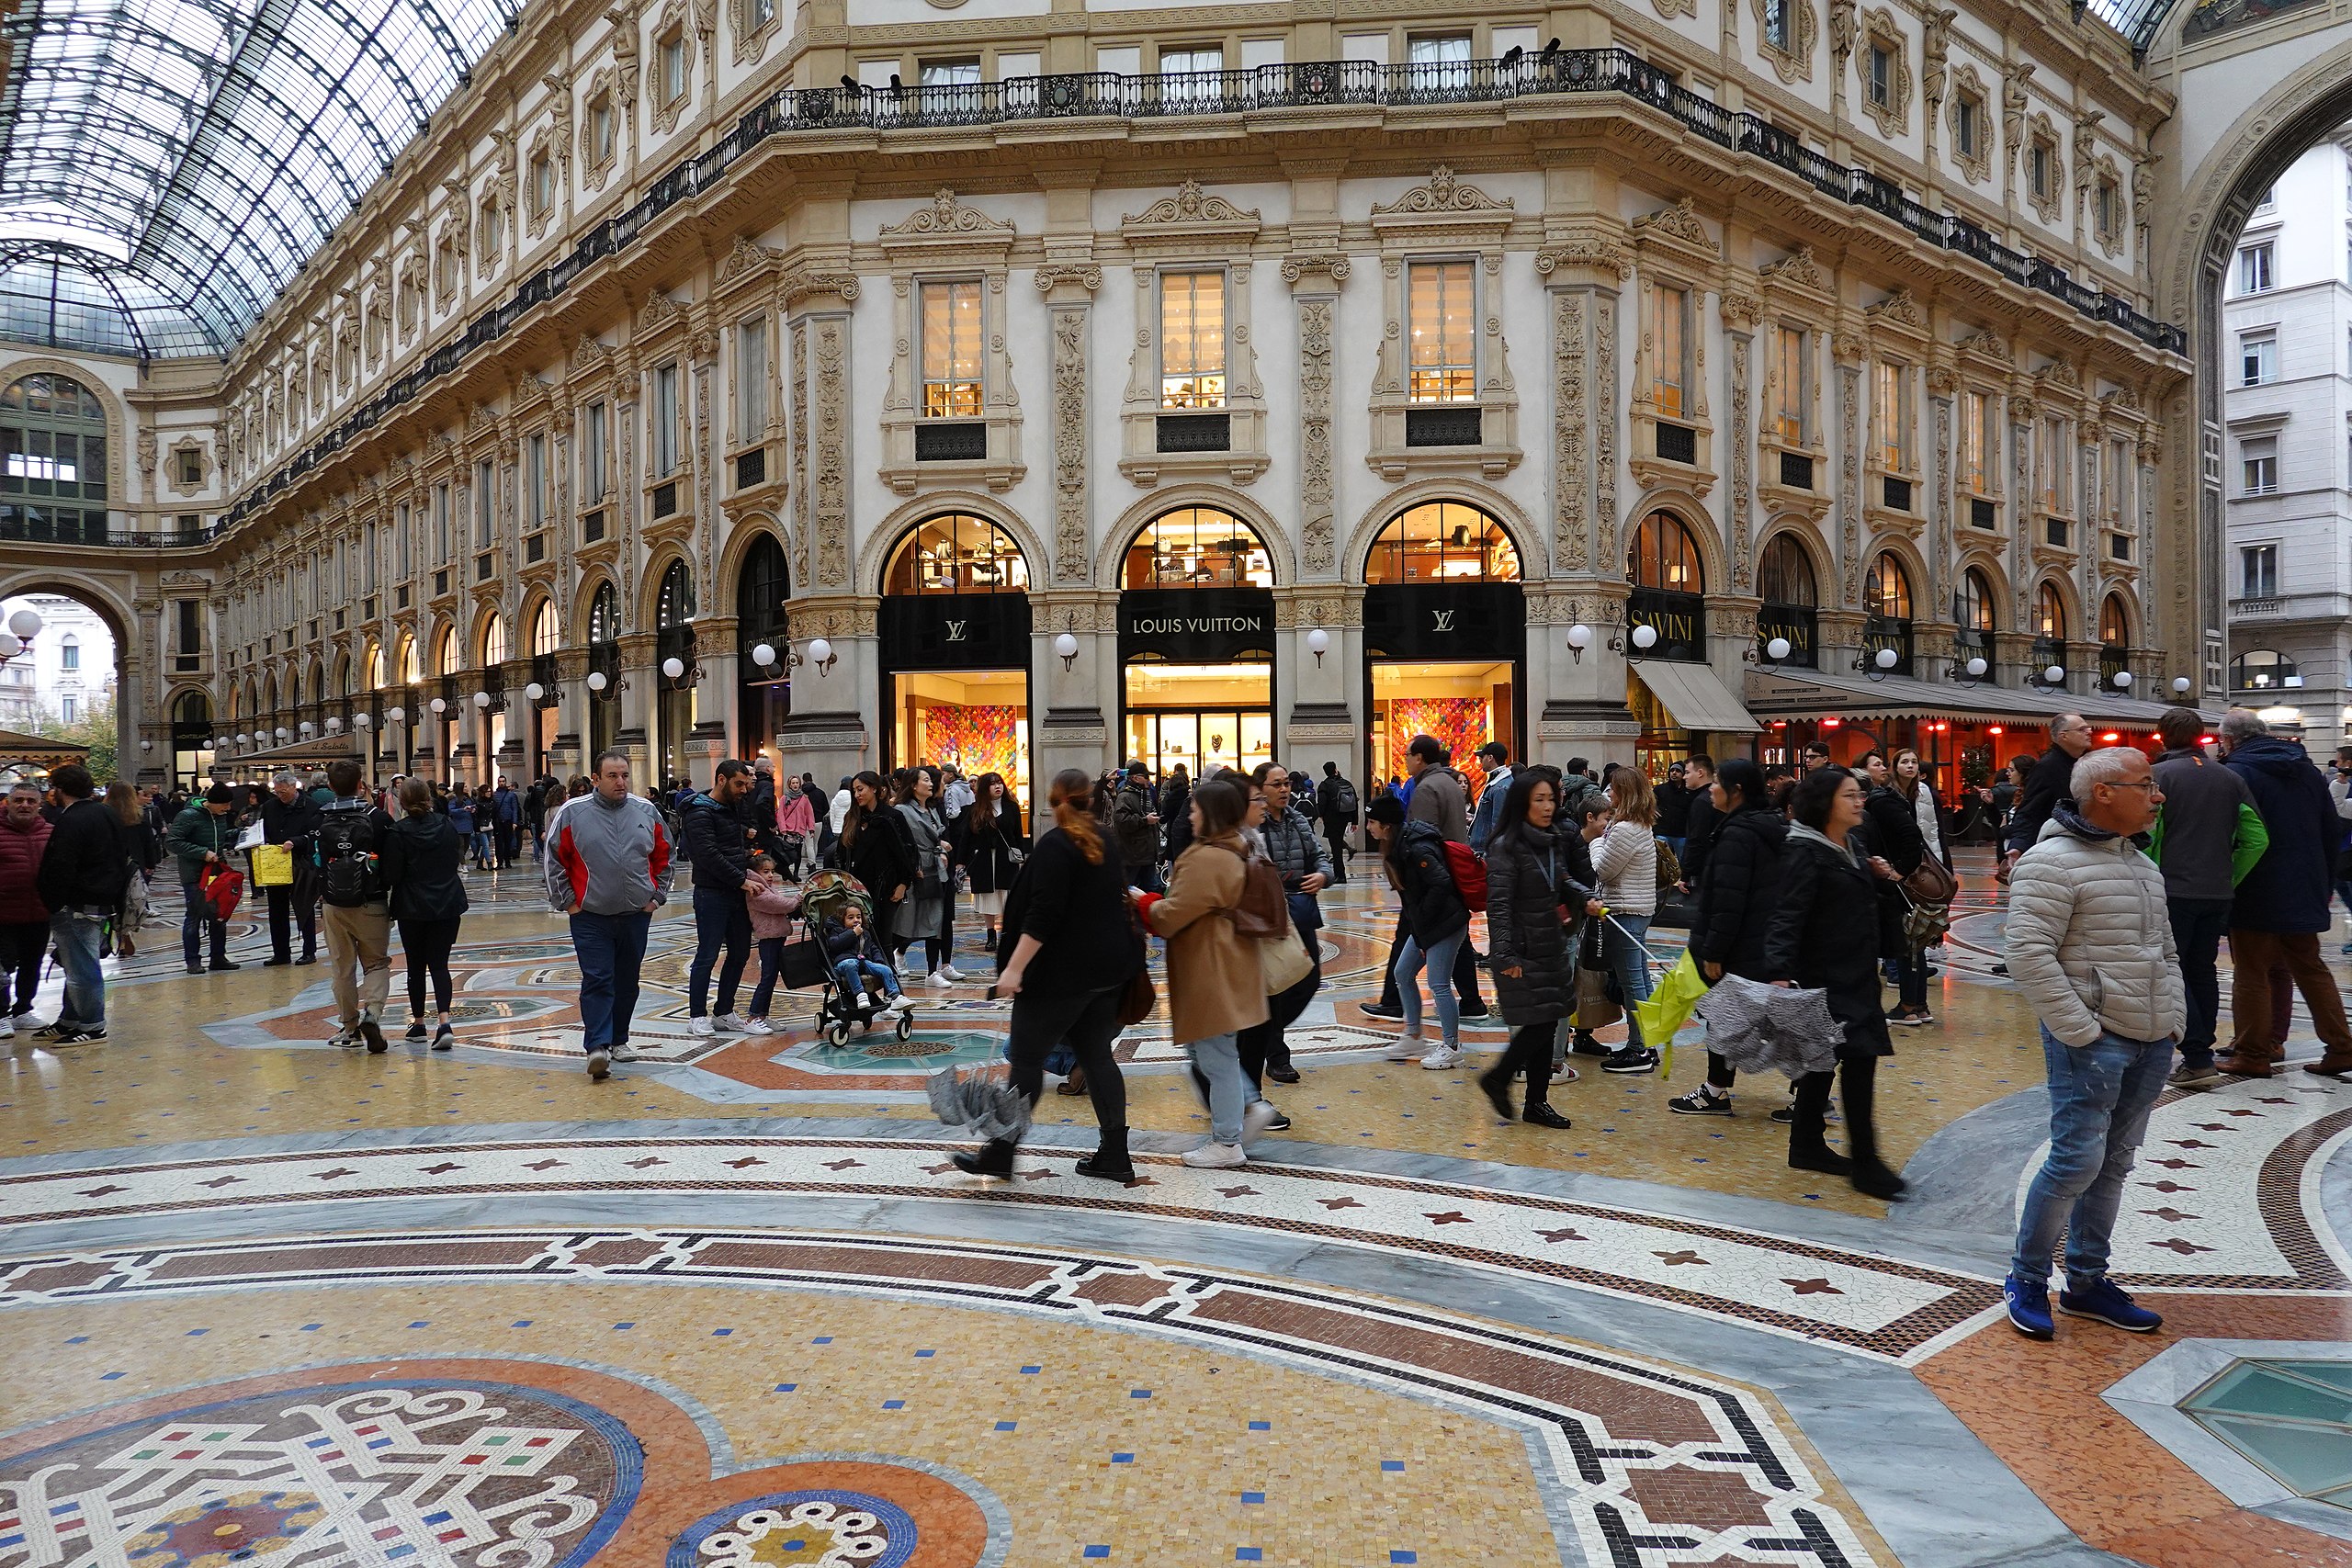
861	988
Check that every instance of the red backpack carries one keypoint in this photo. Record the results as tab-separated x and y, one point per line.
1469	876
224	889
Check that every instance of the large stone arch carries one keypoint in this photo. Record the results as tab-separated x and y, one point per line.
883	541
746	531
119	427
1177	498
2078	628
1809	538
1988	561
657	567
1914	567
1525	536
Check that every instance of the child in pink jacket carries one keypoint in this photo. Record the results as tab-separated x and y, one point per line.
775	906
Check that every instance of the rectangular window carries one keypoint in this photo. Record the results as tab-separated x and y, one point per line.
1966	125
191	467
591	456
1891	411
674	68
535	480
1882	80
751	379
951	350
2258	572
401	550
1191	340
2037	167
665	421
191	636
67	709
1776	23
485	479
2053	465
2258	358
1441	303
600	130
1976	443
443	544
2254	269
963	72
1792	387
69	657
1185	61
1436	50
2258	466
1671	357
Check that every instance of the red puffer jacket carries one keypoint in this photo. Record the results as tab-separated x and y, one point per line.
20	853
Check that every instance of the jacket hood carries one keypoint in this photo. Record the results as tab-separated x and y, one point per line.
1420	832
2065	819
2271	754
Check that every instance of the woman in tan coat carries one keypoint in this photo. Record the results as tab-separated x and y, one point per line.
1216	987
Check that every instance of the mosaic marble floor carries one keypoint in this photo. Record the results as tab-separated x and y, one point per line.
262	1301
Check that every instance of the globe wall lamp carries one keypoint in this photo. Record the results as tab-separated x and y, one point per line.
1580	638
1319	643
2050	678
396	716
2122	681
2180	684
362	721
1972	671
439	705
23	627
599	682
1634	644
1770	656
1880	664
763	656
1065	648
819	655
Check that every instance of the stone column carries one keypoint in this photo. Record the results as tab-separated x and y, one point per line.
1068	723
640	690
1322	725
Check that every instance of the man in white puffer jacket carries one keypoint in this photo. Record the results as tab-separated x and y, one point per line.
2090	945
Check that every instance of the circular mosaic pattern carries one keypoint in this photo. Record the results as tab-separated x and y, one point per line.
439	1472
821	1529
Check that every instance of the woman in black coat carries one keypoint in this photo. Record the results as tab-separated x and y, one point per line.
985	840
1823	936
1534	966
424	892
1891	833
876	848
1737	894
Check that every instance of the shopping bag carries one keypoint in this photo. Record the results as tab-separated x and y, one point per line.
1283	961
273	865
1669	1007
1594	1008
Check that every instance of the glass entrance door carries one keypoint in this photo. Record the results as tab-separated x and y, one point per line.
1203	715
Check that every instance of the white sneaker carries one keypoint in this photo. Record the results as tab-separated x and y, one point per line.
700	1028
1404	1051
1256	1118
1215	1156
955	975
623	1054
1442	1060
600	1066
757	1026
900	1003
938	977
728	1023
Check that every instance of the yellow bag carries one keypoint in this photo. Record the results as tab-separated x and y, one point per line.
273	865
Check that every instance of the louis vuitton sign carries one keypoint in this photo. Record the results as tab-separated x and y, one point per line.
1196	625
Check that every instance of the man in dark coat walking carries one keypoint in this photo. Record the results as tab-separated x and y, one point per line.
84	869
2070	736
2281	905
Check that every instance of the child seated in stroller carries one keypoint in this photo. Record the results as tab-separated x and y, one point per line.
858	961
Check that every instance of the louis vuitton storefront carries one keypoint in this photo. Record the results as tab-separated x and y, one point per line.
1196	641
953	634
1444	636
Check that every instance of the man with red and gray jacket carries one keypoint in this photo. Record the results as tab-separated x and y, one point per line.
608	867
24	919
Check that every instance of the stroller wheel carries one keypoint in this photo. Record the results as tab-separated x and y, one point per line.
837	1035
906	1025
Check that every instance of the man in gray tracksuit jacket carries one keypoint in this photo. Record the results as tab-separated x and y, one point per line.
608	867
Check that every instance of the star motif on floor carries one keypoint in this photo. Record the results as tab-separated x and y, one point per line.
1450	1217
1674	1260
1566	1232
1813	1287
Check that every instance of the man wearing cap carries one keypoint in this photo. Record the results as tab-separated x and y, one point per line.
1495	757
1136	819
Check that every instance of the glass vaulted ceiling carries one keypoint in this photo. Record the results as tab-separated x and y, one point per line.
178	161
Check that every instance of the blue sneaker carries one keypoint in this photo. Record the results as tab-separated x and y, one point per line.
2028	1307
2107	1303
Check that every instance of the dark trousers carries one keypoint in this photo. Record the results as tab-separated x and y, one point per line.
508	837
1338	839
427	944
2197	927
1858	1078
1719	1072
611	949
1262	1046
299	901
1911	977
2254	956
1529	1051
1466	974
1088	1021
196	916
771	960
721	919
23	944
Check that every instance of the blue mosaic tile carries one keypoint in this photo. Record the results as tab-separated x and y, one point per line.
925	1355
785	1387
197	1333
1392	1464
1403	1556
520	1322
720	1332
79	1339
1262	1426
109	1377
1247	1554
620	1328
1253	1497
1096	1552
894	1405
1123	1459
1031	1371
1138	1394
1007	1426
822	1339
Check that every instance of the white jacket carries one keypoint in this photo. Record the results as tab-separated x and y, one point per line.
2090	941
1625	859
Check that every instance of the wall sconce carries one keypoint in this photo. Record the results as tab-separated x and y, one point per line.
1065	648
1879	665
362	721
2052	678
819	654
1319	643
1774	651
679	673
146	745
438	705
1580	638
763	656
283	734
304	727
396	716
1634	644
534	692
2122	682
1970	673
2180	684
598	680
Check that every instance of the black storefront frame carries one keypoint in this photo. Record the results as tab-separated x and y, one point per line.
1196	627
1679	619
1799	625
1465	623
970	633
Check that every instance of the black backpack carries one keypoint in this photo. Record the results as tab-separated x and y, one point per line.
346	856
1343	799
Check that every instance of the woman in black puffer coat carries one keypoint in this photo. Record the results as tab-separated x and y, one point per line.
1529	954
1737	894
1890	831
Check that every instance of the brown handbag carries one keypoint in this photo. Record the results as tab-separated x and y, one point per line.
1262	911
1931	882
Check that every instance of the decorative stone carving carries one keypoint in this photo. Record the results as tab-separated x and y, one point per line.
2015	99
805	568
1191	208
1443	193
831	453
745	259
659	314
1607	400
801	283
625	54
1936	54
1850	479
1792	59
1741	310
1678	221
1601	255
1073	552
1798	268
1742	437
1571	547
2050	204
1317	521
946	216
1301	265
1898	308
1085	275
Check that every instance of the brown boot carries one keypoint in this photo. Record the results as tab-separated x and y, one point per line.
2242	1066
2334	1065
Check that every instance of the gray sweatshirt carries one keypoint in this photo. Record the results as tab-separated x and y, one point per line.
608	857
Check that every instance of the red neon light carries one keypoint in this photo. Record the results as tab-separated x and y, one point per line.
2110	737
1830	723
1994	730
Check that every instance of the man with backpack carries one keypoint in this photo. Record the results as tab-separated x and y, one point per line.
83	870
1436	797
1340	810
350	838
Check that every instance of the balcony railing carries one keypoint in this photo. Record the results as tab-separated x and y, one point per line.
814	112
17	531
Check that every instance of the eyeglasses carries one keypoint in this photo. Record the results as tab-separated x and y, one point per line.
2128	783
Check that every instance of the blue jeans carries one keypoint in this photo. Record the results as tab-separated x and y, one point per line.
2100	1095
1440	958
85	987
1217	1059
611	949
2197	927
721	919
853	973
195	916
1632	969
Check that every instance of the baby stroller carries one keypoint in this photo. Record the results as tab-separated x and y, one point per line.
824	896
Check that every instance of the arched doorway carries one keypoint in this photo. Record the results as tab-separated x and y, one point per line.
494	686
1667	601
53	461
2114	644
1196	639
1785	580
446	704
603	670
675	709
764	692
63	678
546	640
1886	598
955	649
191	740
1444	634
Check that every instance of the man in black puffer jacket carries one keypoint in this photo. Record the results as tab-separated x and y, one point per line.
1737	898
82	872
712	833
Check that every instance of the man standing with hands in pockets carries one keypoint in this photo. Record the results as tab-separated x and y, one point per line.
609	869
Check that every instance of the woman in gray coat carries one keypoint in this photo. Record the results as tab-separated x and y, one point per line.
1529	956
922	915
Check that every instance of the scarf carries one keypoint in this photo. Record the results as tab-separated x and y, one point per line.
1798	830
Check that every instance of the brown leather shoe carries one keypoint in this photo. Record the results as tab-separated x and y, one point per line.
2242	1068
2334	1066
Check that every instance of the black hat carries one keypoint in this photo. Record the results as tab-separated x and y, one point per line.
219	795
1386	808
1496	749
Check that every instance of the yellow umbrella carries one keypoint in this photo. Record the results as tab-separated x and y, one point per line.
1669	1008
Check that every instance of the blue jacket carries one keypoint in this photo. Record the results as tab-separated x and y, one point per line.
2288	889
1489	815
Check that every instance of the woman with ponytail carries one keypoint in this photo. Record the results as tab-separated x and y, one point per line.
1067	952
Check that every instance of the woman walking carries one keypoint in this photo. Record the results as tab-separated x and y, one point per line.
1824	935
1891	833
1737	894
1068	952
985	841
796	823
422	857
1625	859
874	848
921	915
1435	920
144	850
1527	945
1215	986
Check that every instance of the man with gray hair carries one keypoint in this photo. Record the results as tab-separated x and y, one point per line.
2283	902
2091	948
2070	738
289	818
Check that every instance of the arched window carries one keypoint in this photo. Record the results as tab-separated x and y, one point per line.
52	460
69	652
1890	589
444	652
192	709
2114	623
1198	547
761	589
410	673
547	629
955	553
493	640
605	615
1443	541
1665	556
1973	607
2049	613
677	602
2263	669
1785	574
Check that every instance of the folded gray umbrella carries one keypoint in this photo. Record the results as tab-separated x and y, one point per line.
1761	1028
989	1105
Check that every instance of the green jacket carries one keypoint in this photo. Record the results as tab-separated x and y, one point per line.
2246	844
196	830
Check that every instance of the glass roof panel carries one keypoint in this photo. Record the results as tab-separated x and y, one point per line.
191	156
2137	20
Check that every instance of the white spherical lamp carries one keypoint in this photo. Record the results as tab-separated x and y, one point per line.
1975	666
1884	658
674	667
305	726
820	651
1778	649
24	624
596	681
535	691
2122	680
1066	646
1645	637
1318	642
11	645
244	738
146	745
2055	675
284	733
394	715
2180	684
439	705
362	721
1580	637
481	699
334	724
763	655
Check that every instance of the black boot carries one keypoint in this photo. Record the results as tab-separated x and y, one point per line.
988	942
995	1159
1109	1162
1857	1090
1808	1150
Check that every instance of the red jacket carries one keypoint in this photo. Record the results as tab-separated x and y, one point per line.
20	853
